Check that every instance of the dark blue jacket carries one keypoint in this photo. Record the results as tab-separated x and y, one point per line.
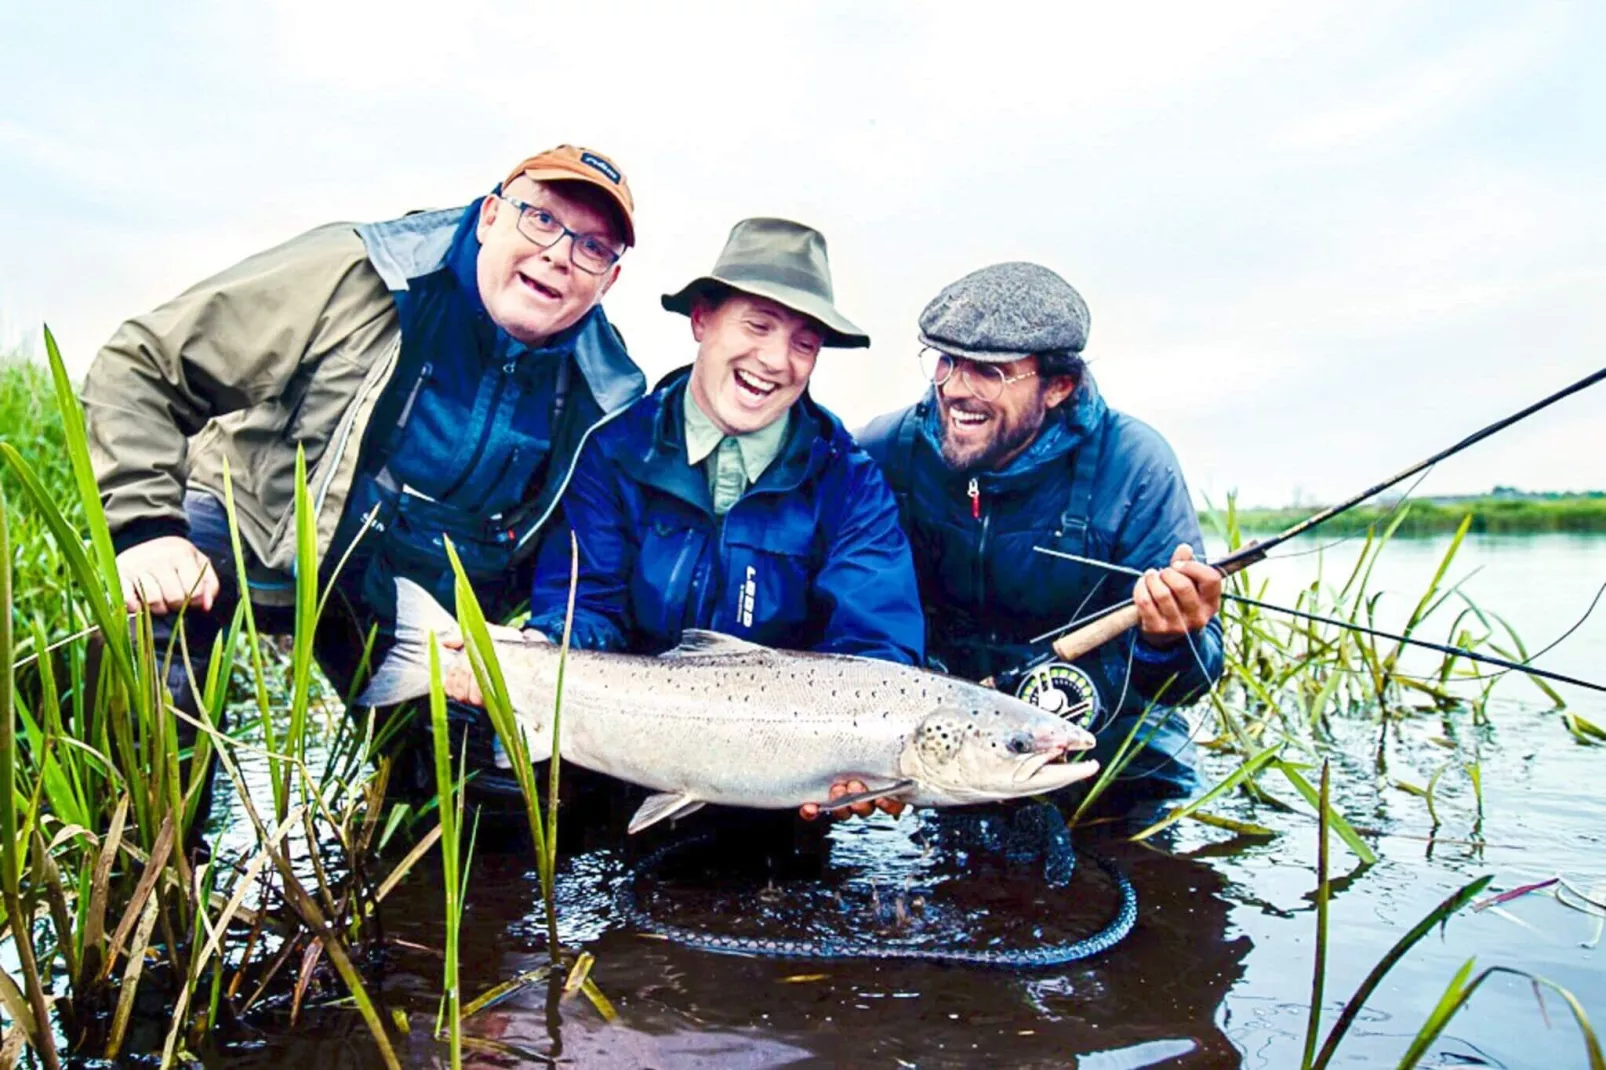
811	557
1096	483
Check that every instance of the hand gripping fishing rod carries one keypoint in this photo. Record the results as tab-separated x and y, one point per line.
1123	616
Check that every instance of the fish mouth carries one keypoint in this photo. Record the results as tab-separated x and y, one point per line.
1053	770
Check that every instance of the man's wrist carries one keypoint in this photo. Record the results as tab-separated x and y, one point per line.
146	528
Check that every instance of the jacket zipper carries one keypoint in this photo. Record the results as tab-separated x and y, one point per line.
568	474
981	545
412	395
485	435
975	500
331	458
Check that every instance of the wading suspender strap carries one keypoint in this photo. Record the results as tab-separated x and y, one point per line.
1076	521
560	393
900	470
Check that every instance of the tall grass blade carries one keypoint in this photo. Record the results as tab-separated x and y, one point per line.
306	620
1345	830
259	674
72	426
557	722
449	849
11	844
130	985
481	651
1248	769
1459	991
1392	957
1323	892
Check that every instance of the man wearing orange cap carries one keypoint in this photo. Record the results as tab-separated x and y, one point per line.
440	372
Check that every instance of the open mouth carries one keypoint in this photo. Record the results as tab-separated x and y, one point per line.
964	420
540	289
754	387
1055	765
1054	770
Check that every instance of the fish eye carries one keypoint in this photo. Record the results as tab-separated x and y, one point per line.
1019	745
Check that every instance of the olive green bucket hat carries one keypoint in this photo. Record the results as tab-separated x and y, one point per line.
783	261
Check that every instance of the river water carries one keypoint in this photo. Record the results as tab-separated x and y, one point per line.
1218	970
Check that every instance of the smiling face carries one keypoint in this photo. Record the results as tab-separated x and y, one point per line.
754	359
982	435
530	292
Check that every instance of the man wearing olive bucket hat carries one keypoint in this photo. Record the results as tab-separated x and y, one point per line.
727	498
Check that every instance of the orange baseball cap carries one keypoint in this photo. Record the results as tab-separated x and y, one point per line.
574	163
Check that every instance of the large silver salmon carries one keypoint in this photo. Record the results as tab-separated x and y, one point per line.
722	720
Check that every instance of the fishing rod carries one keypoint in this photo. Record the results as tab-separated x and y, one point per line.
1123	616
1442	648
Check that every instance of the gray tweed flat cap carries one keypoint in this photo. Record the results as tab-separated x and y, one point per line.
1005	312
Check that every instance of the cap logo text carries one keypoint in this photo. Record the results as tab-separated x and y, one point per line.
598	163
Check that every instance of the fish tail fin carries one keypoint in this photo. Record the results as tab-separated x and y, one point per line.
404	673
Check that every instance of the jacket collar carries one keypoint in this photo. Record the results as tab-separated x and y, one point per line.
419	244
813	437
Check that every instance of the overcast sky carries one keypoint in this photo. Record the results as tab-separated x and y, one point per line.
1318	240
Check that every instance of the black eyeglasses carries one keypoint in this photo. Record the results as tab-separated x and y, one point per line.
986	381
591	253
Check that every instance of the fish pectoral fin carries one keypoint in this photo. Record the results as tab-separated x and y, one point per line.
698	642
664	804
896	788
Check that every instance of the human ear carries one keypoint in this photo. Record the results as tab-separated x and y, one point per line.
488	209
1058	389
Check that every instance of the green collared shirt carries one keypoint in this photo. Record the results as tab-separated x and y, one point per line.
734	461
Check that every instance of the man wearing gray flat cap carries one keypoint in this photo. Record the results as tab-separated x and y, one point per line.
1014	448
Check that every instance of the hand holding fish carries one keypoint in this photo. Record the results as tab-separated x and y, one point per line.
895	807
459	682
1178	599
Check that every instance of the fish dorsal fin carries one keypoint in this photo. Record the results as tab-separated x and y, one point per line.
700	643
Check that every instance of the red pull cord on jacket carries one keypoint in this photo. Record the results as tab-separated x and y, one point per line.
975	500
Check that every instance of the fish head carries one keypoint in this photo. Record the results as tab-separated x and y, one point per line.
1001	748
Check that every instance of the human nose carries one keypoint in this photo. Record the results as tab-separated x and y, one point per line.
557	255
772	352
958	378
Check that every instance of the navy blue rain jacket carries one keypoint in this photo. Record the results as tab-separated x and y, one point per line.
811	557
987	593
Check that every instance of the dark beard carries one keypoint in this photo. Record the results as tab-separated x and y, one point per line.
1005	443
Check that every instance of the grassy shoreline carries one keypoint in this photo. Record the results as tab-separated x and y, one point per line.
1573	513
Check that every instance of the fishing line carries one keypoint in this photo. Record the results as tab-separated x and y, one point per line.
1508	666
1443	648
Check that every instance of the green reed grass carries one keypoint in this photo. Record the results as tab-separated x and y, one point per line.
98	799
1286	679
451	813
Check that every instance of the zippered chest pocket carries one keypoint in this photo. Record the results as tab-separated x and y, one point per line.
769	583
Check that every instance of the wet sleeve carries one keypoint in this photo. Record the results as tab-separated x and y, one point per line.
866	593
1161	517
596	511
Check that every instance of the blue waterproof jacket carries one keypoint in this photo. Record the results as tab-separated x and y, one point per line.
1096	483
811	557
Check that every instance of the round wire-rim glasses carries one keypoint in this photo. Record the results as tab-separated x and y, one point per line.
986	381
591	253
